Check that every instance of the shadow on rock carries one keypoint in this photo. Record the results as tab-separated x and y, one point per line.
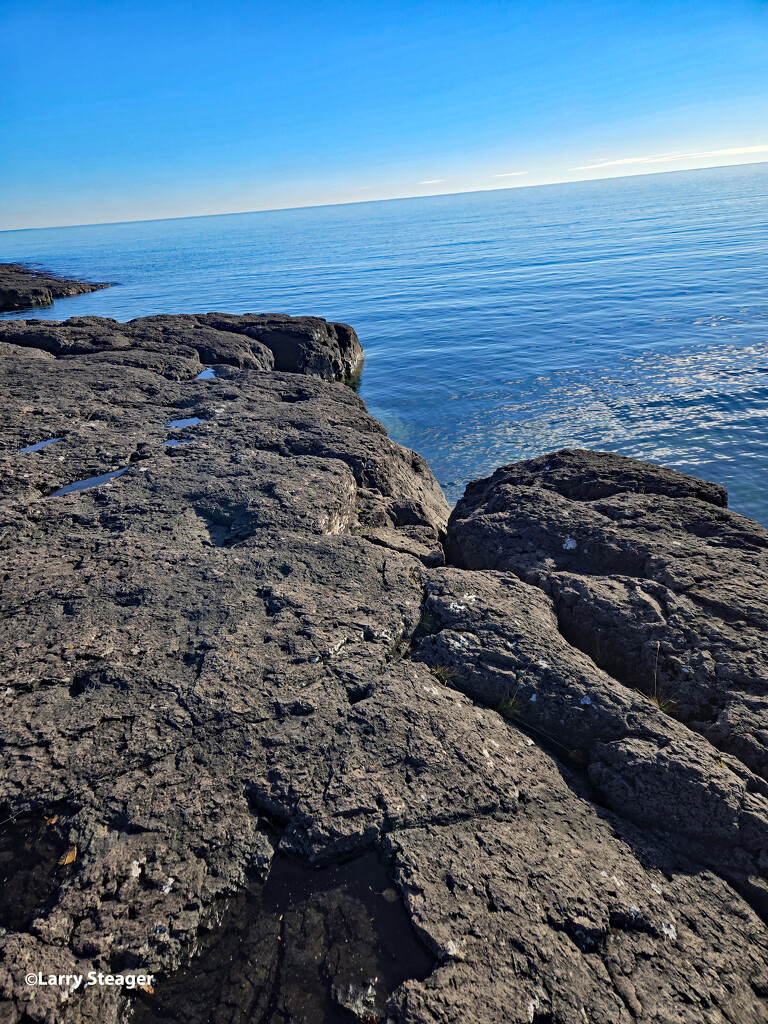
317	947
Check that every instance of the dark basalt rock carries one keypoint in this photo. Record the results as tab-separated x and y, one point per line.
320	946
245	652
650	575
23	287
175	346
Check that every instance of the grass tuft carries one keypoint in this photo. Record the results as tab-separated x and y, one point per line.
511	706
664	704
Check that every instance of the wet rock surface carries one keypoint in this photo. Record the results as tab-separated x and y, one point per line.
240	684
23	287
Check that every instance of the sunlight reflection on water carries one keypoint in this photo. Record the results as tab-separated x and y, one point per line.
629	315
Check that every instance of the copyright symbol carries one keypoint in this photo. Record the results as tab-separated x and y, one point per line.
31	979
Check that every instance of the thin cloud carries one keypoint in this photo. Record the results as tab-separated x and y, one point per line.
432	181
669	157
509	174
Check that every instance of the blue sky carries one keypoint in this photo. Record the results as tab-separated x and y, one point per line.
136	110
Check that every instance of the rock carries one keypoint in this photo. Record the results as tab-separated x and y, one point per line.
244	652
313	939
662	590
305	344
650	575
23	287
497	640
176	346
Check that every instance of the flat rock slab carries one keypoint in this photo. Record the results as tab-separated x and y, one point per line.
23	287
241	668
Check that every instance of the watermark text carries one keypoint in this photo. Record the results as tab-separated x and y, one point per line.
72	982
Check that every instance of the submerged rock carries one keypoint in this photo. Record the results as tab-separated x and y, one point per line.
23	287
243	659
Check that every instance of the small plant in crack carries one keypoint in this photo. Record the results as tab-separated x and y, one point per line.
443	673
416	578
664	704
511	706
427	625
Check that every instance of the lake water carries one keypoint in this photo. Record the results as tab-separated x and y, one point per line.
629	315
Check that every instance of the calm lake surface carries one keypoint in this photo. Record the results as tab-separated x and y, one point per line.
629	315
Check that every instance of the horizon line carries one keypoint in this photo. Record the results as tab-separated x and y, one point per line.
392	199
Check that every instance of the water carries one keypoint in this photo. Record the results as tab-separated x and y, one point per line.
91	481
37	447
629	315
190	421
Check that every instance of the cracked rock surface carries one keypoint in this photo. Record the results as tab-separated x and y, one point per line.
23	287
248	712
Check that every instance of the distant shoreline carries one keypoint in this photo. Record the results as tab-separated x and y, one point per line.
24	287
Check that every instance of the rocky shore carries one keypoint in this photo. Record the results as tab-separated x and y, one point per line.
23	287
285	732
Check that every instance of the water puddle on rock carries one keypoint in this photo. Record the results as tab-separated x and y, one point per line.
207	374
30	850
191	421
173	443
308	947
91	481
37	447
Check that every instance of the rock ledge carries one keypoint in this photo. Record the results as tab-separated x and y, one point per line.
23	287
248	710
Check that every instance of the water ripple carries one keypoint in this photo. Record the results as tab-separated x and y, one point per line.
629	315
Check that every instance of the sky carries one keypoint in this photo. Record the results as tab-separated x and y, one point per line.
142	109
